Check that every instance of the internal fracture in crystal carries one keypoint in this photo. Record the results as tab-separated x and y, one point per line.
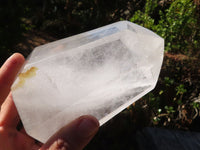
99	73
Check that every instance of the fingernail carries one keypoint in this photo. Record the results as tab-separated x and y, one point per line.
15	60
59	145
88	127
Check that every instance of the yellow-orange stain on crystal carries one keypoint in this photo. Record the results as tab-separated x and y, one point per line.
23	76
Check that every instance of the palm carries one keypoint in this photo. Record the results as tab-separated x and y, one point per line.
11	139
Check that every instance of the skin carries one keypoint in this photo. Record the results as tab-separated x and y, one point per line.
74	136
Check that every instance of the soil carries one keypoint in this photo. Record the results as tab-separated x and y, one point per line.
31	40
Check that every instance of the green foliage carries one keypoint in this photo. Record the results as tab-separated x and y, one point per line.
180	90
168	82
195	105
169	109
177	24
153	101
167	101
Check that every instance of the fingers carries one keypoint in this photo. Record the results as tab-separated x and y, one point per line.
74	136
8	73
9	116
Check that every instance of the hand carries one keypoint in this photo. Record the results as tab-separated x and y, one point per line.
73	136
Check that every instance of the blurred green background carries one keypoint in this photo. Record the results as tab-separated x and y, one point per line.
173	104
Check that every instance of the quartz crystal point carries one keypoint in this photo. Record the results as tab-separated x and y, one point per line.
99	73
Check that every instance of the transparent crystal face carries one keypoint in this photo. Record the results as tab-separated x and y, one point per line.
99	73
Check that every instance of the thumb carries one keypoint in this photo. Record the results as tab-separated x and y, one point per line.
74	136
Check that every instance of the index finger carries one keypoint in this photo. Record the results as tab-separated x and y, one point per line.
8	73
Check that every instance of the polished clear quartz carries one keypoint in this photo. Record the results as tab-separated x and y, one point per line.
99	73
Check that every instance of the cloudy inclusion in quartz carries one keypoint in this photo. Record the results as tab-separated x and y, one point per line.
99	73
